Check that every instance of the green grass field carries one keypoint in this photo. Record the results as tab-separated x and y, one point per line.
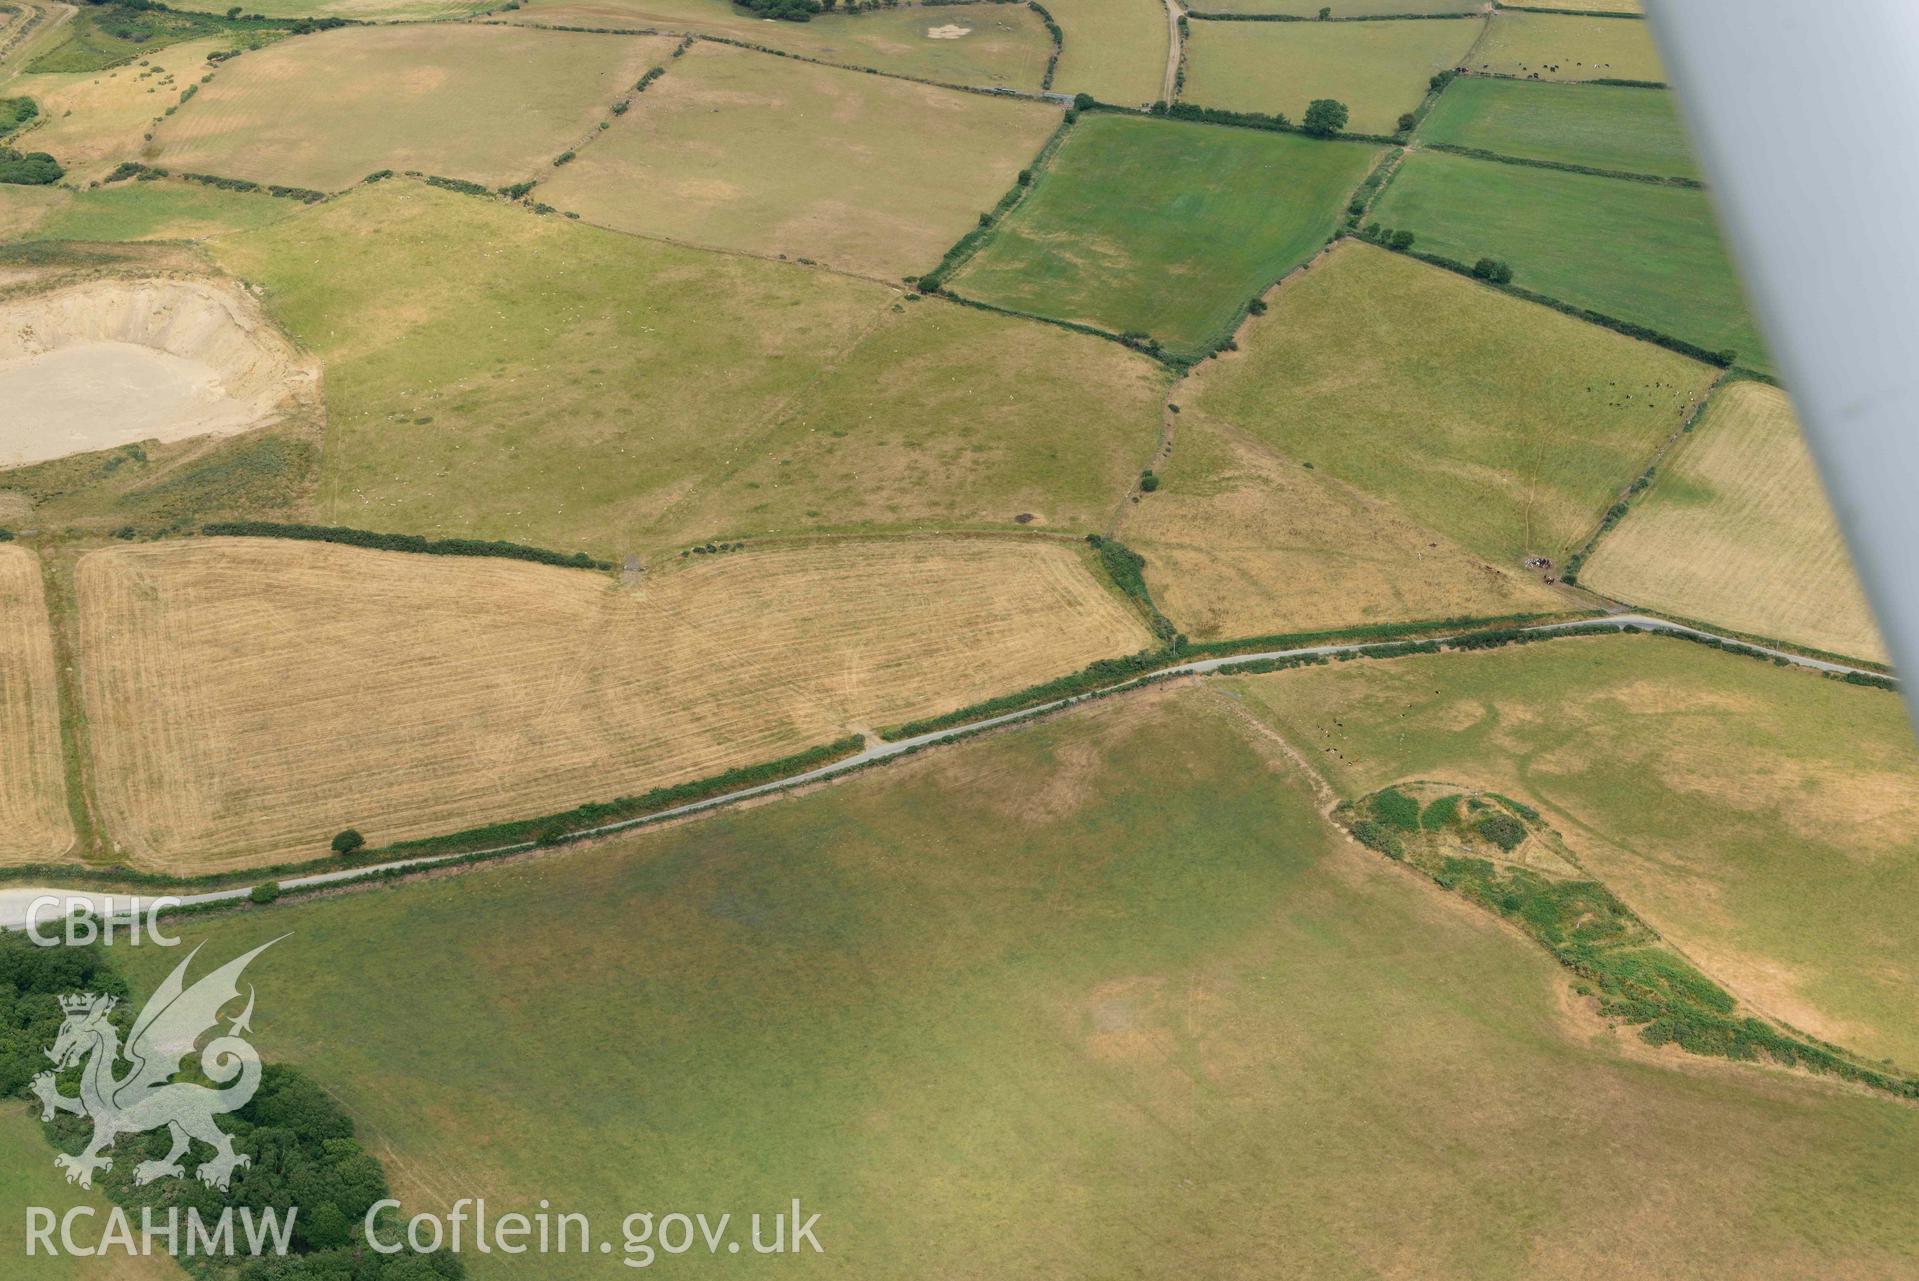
568	386
326	110
880	178
1074	1000
160	211
1737	531
1634	250
1600	126
1378	69
1563	47
1164	227
1756	817
1113	49
1504	425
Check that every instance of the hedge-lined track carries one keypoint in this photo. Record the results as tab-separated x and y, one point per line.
1736	531
34	826
250	698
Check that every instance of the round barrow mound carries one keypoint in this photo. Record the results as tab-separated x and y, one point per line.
115	361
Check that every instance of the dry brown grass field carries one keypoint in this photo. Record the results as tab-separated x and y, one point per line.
487	104
249	698
985	45
24	208
1736	531
942	417
1113	49
33	811
91	121
869	174
1495	421
1240	541
1556	46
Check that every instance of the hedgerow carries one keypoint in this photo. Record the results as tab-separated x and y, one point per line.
402	542
1625	175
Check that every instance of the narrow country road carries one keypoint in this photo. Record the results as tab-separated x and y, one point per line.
14	903
1170	85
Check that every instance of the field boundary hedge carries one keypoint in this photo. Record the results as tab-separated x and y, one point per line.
1358	17
974	240
1624	503
147	173
1111	675
1623	175
1614	81
1632	329
694	37
402	542
1059	43
1568	13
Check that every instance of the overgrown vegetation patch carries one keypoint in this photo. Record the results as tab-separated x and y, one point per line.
1632	975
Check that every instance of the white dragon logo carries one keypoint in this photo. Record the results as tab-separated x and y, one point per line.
147	1097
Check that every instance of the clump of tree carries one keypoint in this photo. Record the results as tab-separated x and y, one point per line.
348	842
1324	117
15	113
28	168
1493	269
784	10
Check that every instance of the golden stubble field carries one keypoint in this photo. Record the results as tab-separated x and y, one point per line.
1737	531
249	698
33	810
